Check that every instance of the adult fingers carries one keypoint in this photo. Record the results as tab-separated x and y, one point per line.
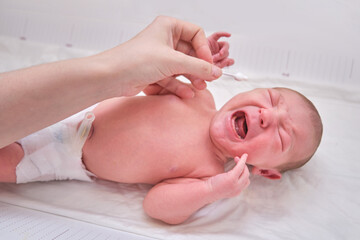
195	67
185	47
178	88
198	83
196	36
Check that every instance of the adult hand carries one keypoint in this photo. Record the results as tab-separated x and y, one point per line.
220	57
219	51
157	55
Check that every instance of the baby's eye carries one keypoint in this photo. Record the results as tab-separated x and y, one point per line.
281	141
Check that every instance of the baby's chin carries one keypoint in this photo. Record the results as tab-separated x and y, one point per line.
218	143
224	147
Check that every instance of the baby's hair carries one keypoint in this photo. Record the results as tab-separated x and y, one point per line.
318	131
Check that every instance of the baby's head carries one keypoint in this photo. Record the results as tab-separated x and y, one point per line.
279	128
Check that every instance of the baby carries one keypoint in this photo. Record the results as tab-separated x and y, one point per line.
181	146
178	145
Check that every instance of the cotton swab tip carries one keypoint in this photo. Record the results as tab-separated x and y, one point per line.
237	76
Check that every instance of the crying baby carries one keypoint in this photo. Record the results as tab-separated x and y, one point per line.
178	145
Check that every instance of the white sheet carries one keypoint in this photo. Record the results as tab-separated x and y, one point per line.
319	201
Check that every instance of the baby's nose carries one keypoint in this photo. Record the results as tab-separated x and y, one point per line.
265	117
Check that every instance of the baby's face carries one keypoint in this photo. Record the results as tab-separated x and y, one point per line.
271	125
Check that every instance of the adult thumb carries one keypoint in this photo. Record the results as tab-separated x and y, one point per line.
197	67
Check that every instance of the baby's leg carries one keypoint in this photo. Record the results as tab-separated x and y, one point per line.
10	156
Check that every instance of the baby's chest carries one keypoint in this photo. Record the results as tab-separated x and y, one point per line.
176	163
195	165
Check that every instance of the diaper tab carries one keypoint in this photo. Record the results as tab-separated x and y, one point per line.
84	130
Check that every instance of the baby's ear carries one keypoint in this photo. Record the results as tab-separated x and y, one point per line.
268	173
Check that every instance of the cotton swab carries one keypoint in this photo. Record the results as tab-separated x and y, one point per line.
237	76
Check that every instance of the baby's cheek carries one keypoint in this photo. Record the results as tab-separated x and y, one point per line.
256	147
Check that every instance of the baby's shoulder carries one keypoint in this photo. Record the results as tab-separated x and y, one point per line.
205	97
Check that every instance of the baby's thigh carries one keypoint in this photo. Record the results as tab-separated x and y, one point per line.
10	156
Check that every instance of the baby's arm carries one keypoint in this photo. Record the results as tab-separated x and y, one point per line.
10	156
173	201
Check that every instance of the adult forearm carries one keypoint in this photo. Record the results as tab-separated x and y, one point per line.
35	97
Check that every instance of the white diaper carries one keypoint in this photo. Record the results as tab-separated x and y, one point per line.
54	153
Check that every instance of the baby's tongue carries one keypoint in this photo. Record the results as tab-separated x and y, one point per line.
239	126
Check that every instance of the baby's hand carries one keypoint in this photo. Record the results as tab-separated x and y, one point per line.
220	50
232	183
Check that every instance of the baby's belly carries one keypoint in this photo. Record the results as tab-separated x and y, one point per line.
151	174
148	169
150	161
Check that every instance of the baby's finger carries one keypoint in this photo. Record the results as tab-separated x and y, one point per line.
225	62
216	36
153	89
240	164
243	179
245	174
225	46
243	157
223	52
198	83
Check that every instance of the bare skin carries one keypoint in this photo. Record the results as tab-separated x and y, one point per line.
10	156
173	162
180	146
36	97
161	140
180	127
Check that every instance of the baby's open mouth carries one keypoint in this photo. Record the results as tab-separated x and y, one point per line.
240	125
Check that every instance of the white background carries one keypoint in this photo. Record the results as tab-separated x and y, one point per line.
314	40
